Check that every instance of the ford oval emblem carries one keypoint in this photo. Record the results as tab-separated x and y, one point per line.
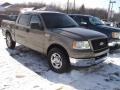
101	43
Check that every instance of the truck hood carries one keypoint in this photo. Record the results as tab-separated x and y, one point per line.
80	33
111	29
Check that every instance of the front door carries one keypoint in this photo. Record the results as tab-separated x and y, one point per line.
36	36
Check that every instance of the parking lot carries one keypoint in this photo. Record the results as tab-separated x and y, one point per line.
25	69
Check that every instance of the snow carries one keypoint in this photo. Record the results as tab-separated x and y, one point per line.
25	69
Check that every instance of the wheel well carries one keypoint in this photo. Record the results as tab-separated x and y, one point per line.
57	46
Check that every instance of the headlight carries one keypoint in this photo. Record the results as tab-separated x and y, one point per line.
81	45
116	35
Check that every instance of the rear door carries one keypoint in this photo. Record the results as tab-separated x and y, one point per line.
22	29
36	36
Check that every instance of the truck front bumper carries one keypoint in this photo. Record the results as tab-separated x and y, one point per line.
88	58
114	44
86	62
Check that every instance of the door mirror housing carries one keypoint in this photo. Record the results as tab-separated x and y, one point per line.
36	26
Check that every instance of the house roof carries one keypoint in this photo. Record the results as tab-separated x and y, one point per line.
5	4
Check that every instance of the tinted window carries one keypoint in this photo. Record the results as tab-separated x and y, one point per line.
24	19
81	20
57	20
72	16
95	21
77	19
35	19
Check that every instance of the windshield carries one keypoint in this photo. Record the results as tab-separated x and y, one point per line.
57	20
95	21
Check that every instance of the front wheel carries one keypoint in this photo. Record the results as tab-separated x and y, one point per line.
58	60
10	43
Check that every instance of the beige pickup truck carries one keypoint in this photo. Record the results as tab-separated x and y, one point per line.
57	36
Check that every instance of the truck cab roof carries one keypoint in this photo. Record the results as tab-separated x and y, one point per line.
37	12
82	15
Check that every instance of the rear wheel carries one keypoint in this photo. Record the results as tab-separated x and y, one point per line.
10	43
58	60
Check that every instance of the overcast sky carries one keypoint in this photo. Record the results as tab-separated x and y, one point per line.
87	3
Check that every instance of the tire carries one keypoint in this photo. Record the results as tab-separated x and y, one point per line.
9	42
58	60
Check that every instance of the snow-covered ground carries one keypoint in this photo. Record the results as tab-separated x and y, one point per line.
25	69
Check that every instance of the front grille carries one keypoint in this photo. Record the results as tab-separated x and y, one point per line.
99	44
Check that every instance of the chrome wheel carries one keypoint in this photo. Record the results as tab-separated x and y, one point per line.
56	60
8	41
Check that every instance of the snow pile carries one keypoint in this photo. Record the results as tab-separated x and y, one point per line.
25	69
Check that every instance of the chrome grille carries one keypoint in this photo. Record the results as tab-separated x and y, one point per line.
99	44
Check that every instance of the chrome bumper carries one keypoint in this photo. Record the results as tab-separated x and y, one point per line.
101	53
86	62
114	43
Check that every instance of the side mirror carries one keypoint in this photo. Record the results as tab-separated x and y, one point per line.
36	26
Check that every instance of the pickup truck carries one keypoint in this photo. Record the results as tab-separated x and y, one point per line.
57	36
94	23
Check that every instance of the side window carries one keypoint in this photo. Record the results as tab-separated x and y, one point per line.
35	19
84	20
24	19
72	16
77	19
81	20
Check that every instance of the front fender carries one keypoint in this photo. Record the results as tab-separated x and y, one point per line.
58	39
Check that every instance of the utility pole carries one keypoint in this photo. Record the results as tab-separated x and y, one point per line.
110	9
119	10
112	12
68	6
74	5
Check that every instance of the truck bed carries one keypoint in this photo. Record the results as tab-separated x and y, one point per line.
7	25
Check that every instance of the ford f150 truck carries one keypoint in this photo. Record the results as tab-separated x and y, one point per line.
94	23
57	36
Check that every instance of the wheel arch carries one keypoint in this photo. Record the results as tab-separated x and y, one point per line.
57	46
